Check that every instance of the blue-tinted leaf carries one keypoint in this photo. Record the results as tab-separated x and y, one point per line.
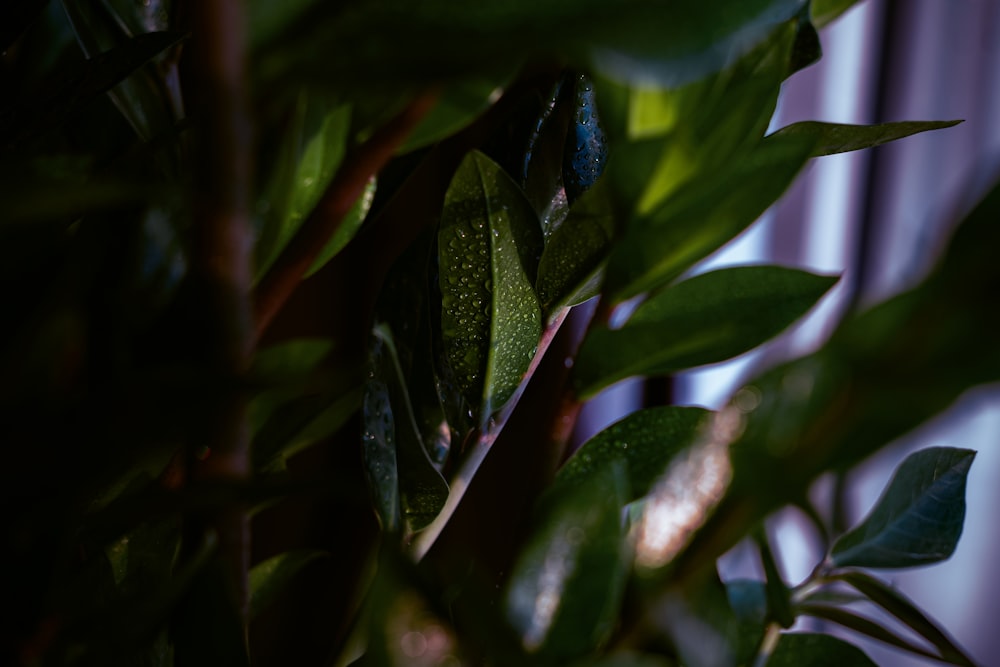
796	649
703	320
488	245
832	138
567	583
643	443
894	602
864	626
270	577
918	519
586	146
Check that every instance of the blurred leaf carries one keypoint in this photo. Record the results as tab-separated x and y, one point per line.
643	443
456	107
700	623
541	175
566	586
208	630
796	649
399	41
488	247
833	138
825	11
748	600
569	271
80	84
702	218
778	594
266	19
348	227
807	49
864	626
269	578
624	659
706	319
15	18
899	606
919	517
314	146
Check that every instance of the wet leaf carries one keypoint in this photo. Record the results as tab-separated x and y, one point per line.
919	517
269	578
567	583
398	464
832	138
488	245
586	146
703	218
644	442
799	648
570	270
706	319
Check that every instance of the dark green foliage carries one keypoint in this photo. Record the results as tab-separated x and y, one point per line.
490	165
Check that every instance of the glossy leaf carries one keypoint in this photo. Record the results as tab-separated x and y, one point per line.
488	245
894	602
570	270
669	43
268	579
706	319
833	138
697	222
541	175
398	466
567	582
796	649
919	517
313	149
643	443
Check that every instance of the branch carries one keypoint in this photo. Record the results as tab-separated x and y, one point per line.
221	261
349	183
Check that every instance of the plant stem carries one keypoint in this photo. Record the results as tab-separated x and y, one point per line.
221	261
349	183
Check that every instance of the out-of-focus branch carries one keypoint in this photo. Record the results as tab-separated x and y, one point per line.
347	185
221	261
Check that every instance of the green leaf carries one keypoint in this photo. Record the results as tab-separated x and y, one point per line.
833	138
570	268
314	146
625	659
825	11
399	469
488	245
706	319
807	49
702	218
748	600
643	443
902	608
348	227
702	626
401	42
456	107
269	578
796	649
864	626
918	519
567	582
